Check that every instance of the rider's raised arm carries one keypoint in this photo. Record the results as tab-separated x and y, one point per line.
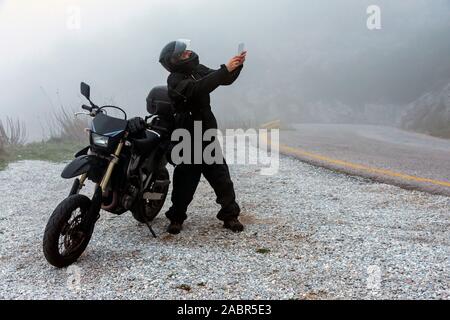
182	87
232	76
230	79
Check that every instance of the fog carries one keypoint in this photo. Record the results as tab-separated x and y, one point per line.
310	61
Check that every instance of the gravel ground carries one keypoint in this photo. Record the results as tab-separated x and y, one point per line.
311	234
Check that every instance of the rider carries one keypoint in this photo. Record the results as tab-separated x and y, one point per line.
190	84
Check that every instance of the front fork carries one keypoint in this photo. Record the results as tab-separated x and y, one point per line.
112	164
78	184
96	203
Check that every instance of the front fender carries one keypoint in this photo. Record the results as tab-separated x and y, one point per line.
82	152
79	166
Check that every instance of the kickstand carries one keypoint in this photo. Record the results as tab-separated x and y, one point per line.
151	230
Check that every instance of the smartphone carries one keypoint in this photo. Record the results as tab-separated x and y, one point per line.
241	48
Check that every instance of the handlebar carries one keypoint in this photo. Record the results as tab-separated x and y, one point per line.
87	108
94	110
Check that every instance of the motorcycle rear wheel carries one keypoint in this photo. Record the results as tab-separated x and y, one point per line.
147	210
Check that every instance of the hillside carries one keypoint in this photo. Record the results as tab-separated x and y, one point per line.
430	113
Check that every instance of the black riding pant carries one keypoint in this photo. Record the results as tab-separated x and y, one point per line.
185	181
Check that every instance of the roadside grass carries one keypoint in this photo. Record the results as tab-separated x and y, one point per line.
52	151
63	135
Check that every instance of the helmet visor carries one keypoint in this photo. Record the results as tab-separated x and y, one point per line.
181	46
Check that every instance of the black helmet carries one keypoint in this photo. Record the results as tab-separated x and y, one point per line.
170	57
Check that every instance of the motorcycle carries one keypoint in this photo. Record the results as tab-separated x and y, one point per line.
126	160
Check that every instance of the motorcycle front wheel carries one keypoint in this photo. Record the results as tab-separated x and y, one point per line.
66	236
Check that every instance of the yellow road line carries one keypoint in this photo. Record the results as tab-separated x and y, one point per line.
299	152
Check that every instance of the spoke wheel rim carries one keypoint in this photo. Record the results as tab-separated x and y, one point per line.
71	236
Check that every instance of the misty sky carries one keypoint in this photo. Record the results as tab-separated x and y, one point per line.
300	52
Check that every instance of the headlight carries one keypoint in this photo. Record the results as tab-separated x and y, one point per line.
99	140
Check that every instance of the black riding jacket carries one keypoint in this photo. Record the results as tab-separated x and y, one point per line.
191	92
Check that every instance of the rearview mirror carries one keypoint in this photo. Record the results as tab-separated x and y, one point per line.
85	90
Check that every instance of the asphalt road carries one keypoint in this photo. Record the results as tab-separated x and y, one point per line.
389	155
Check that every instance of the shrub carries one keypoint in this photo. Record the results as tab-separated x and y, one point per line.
12	133
63	126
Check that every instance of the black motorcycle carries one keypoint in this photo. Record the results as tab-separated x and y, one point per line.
126	160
